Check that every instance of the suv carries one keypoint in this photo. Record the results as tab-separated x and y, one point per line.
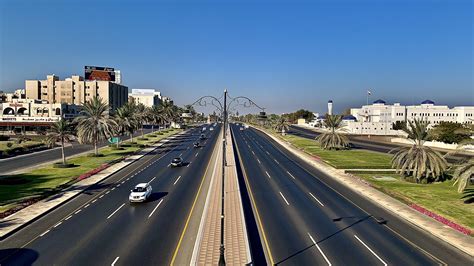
140	193
196	144
178	161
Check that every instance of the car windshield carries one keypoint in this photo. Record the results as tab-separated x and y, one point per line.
139	189
176	159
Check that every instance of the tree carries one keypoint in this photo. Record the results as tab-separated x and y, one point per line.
332	138
169	111
126	119
141	116
465	171
418	161
281	125
398	125
61	131
449	132
156	116
94	123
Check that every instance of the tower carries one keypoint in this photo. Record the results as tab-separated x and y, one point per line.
330	107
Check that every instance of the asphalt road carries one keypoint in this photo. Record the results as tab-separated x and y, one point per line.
365	144
100	226
25	161
307	218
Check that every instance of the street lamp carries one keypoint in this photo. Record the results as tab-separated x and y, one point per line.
224	109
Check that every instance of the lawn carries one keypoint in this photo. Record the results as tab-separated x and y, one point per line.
3	144
341	159
47	180
441	198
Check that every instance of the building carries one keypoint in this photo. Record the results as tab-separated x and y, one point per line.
11	96
379	117
147	97
76	91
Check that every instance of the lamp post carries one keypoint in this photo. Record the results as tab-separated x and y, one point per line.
224	109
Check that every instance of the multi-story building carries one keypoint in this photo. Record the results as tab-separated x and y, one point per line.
76	90
147	97
379	117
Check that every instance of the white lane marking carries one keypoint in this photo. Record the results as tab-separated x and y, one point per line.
268	174
281	194
118	185
158	205
45	232
152	179
177	179
116	210
259	161
181	154
94	201
78	211
290	175
58	224
112	189
87	205
267	152
169	165
69	217
108	191
196	154
122	182
316	199
253	153
276	161
320	251
371	251
115	261
188	164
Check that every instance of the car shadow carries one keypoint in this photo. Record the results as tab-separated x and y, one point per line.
18	256
155	196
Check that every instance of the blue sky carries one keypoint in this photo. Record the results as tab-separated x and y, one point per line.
283	54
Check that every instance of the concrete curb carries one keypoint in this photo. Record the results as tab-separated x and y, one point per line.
445	233
37	210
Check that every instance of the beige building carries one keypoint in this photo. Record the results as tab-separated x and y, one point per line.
147	97
76	90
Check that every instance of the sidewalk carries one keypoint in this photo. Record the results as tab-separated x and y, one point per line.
463	242
237	250
29	214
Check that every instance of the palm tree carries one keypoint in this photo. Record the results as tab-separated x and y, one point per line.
62	131
94	123
332	138
281	124
169	111
156	116
419	161
126	119
141	116
465	171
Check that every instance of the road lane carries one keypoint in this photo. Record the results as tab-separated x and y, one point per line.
340	218
89	237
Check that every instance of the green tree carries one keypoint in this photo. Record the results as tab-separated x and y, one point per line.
449	132
465	171
281	125
156	116
418	161
126	119
94	123
62	131
141	117
333	139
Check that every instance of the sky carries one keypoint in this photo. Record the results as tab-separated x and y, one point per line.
284	55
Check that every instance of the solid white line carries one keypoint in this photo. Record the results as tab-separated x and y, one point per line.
281	194
58	224
290	175
45	232
259	161
115	261
320	251
116	210
316	199
177	179
268	174
158	205
371	251
196	154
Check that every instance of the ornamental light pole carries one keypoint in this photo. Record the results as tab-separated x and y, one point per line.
224	109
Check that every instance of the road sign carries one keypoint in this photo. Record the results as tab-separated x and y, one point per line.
114	140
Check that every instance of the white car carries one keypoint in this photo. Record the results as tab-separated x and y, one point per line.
211	128
140	193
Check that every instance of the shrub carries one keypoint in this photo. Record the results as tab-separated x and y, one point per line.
4	138
9	144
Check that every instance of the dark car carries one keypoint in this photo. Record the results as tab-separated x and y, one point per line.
196	144
202	136
178	161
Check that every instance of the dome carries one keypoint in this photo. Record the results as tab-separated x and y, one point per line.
427	102
380	101
349	117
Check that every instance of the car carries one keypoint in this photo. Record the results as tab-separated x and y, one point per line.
204	129
241	128
196	144
202	136
140	192
211	128
178	161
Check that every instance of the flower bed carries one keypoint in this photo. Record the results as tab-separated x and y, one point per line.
441	219
93	171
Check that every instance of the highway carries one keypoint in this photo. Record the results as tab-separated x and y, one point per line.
307	218
21	162
100	226
359	143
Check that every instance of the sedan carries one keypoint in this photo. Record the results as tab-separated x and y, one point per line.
178	161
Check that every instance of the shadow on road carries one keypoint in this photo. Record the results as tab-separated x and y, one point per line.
18	256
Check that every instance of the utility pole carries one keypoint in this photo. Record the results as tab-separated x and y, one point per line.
221	248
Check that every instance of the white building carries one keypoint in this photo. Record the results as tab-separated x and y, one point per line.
379	117
147	97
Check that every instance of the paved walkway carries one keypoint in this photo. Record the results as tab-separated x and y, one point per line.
237	250
26	215
439	230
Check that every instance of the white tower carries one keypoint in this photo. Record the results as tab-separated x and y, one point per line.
330	107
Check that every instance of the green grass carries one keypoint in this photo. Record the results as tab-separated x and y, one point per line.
25	144
441	198
341	159
47	180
